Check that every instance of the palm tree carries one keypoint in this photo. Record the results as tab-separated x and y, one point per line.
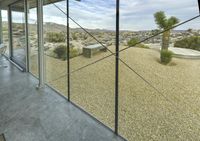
164	23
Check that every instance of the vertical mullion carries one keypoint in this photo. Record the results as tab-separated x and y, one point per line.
10	32
1	28
40	43
117	68
26	35
68	52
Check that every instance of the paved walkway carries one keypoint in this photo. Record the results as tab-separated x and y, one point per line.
28	114
185	53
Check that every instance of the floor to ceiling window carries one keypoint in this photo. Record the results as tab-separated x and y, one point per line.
18	51
5	30
93	35
55	45
158	70
33	38
158	95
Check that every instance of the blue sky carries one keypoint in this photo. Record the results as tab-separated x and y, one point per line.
134	14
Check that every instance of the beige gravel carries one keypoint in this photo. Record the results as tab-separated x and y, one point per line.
172	114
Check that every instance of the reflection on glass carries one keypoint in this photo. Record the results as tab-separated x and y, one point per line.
159	98
165	105
92	88
55	46
18	33
33	40
5	30
99	22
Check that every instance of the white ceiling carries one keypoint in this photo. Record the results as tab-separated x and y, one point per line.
4	3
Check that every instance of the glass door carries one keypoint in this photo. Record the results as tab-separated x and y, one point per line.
18	47
33	38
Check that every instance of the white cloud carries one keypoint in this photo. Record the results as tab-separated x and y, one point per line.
134	15
139	16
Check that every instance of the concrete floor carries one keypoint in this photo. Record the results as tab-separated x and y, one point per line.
28	114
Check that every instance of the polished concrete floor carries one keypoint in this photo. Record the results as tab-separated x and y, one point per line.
28	114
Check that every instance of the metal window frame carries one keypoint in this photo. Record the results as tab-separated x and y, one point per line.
41	61
68	52
11	58
117	69
26	9
1	28
10	32
1	31
116	64
41	70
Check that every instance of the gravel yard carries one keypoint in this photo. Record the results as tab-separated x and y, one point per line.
169	112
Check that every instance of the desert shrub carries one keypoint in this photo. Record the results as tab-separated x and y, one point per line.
166	56
133	42
74	37
73	53
61	52
143	46
192	42
55	37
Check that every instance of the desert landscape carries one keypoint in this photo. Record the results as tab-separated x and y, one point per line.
168	109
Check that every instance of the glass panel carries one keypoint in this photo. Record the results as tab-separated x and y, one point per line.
5	30
18	34
33	39
55	46
99	21
146	114
159	100
92	88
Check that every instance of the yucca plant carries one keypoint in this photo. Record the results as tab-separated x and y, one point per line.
165	23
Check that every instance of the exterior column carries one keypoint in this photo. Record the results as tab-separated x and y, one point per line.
117	68
40	44
26	35
1	29
68	53
10	32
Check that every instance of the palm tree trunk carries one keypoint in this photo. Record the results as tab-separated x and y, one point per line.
165	40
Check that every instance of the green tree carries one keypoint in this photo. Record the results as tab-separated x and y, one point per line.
165	23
